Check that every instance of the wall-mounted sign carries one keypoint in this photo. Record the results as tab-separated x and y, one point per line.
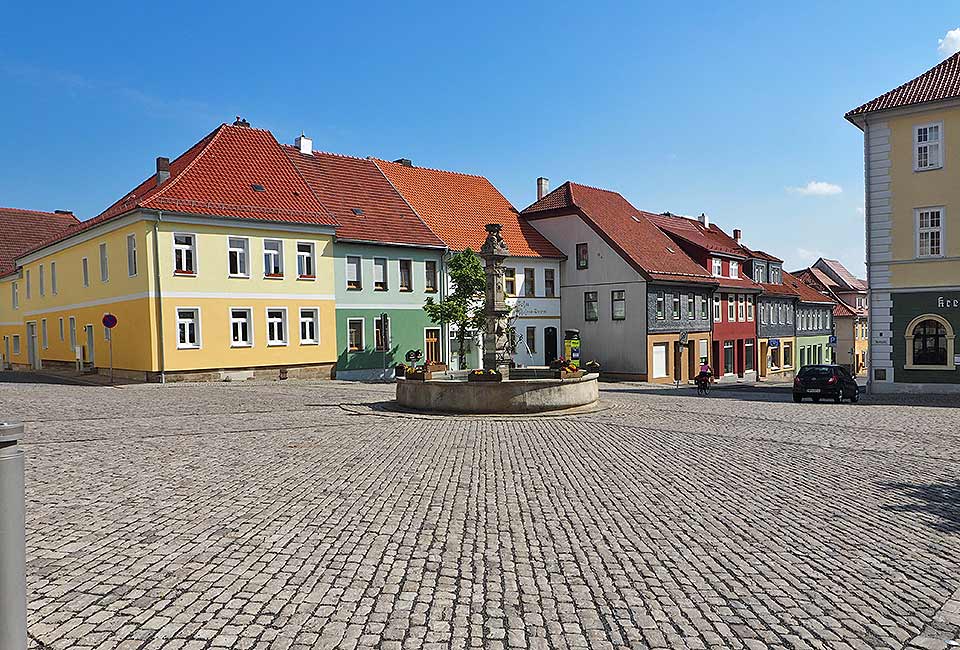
945	302
833	340
773	343
684	337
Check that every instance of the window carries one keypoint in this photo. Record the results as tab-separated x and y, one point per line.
748	355
734	269
238	254
104	264
73	333
803	356
15	295
354	279
675	303
355	335
184	254
276	326
775	276
590	310
929	232
549	288
787	355
741	308
379	274
85	272
703	306
750	308
309	326
29	287
406	275
774	362
510	281
691	307
272	258
131	255
928	145
532	340
929	343
789	310
430	276
43	282
583	259
381	332
61	330
731	308
717	267
53	277
757	273
728	367
763	313
306	260
716	308
188	328
241	328
780	313
529	283
43	334
16	344
661	308
619	305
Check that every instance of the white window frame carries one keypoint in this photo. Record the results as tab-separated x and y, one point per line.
358	280
918	230
741	308
85	271
248	319
15	295
44	341
410	286
717	308
731	308
278	253
363	334
198	343
43	281
734	269
717	267
53	278
192	247
28	284
377	321
104	262
61	329
16	344
132	262
311	256
243	257
750	309
926	144
314	317
284	323
73	334
381	263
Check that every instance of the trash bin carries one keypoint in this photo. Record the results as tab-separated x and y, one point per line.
571	346
13	583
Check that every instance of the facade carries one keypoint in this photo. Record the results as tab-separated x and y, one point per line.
386	262
814	324
734	354
457	208
777	321
640	303
911	157
219	265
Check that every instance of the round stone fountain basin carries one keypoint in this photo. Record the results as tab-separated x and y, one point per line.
504	397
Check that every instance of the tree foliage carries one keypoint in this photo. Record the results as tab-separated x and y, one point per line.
463	306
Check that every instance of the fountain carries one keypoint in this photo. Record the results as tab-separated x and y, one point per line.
493	391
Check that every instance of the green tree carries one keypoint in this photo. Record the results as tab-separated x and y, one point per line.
463	306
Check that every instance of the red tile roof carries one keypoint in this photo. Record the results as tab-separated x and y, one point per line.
628	230
457	207
22	230
843	310
773	289
711	239
847	279
942	81
344	184
761	255
804	291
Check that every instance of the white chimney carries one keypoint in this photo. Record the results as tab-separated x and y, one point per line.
304	144
543	187
704	220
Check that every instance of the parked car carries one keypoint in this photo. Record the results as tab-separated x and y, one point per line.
825	381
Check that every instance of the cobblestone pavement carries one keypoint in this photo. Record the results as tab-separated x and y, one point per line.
305	515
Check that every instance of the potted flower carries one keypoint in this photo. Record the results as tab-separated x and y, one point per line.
418	373
558	363
435	366
592	366
484	375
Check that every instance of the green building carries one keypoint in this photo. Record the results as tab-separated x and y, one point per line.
386	263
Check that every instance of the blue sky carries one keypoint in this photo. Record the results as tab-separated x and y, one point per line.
689	108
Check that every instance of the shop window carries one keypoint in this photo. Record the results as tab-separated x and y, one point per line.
930	342
748	355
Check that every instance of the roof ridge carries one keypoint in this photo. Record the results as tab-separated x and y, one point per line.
434	169
314	152
404	199
41	212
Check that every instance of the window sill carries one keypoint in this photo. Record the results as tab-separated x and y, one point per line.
309	343
188	347
306	277
349	288
354	351
380	289
238	276
928	169
241	345
277	345
273	276
429	290
185	274
406	290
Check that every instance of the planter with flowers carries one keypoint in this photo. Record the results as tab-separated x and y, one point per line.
418	373
434	366
484	375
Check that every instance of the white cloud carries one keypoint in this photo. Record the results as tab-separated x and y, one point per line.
950	43
816	188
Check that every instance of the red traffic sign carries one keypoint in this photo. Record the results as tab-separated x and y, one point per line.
109	321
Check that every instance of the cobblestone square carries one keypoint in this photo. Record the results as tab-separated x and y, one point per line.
304	515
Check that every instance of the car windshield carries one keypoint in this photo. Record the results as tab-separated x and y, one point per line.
815	371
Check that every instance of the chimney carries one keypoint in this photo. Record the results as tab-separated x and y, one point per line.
543	187
704	220
63	211
241	122
163	170
304	144
406	162
737	235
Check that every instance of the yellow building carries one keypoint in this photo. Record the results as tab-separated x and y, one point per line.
912	156
220	265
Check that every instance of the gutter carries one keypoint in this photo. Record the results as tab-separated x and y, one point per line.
159	296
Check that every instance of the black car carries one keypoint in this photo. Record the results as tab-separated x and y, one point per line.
825	381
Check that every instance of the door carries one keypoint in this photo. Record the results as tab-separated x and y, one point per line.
6	353
90	356
431	345
764	361
693	363
659	360
33	354
549	345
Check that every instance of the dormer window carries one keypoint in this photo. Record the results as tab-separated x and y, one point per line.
928	146
717	267
734	269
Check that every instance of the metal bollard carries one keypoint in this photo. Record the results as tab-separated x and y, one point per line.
13	581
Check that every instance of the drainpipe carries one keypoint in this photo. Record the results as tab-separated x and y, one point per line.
156	279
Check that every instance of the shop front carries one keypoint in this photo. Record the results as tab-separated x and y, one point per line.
677	357
778	358
812	350
924	339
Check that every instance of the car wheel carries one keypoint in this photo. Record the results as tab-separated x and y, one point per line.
839	397
797	399
855	397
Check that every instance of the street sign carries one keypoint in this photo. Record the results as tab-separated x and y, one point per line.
109	321
684	337
833	340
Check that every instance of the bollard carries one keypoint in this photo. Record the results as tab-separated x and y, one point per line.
13	581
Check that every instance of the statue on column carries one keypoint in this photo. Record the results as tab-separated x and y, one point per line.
495	336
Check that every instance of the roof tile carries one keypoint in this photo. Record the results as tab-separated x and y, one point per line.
942	81
23	230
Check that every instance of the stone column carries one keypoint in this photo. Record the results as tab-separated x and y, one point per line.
494	251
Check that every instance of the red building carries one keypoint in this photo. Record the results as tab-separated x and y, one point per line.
734	303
